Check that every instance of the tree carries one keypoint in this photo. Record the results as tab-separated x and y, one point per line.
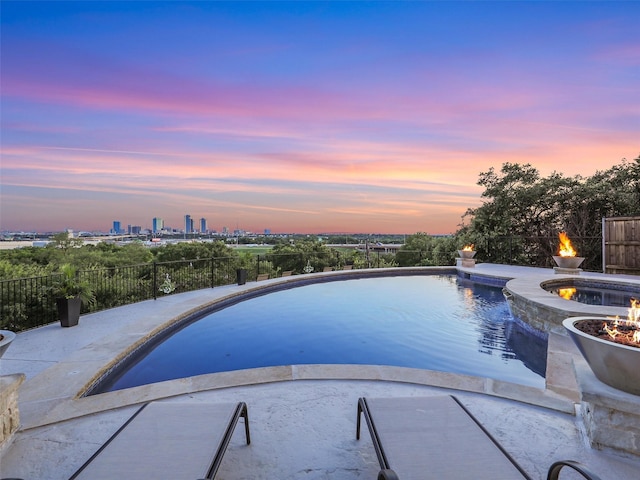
422	249
64	241
192	251
610	193
417	250
523	212
9	270
295	256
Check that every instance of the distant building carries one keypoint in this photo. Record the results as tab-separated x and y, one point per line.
117	228
188	224
157	225
267	231
203	225
135	229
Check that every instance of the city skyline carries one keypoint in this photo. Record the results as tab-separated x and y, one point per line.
302	117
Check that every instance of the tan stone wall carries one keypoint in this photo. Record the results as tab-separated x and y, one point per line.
611	427
9	405
611	417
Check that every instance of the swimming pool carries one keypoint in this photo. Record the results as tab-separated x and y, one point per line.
435	322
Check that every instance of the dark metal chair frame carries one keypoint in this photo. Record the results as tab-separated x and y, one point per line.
387	473
241	411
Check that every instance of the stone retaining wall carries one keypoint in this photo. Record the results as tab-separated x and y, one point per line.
611	417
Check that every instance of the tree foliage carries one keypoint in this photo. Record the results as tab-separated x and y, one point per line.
422	249
523	213
295	256
192	251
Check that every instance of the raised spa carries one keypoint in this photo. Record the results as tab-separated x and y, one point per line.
594	292
435	322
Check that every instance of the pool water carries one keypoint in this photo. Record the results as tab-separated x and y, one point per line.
597	294
435	322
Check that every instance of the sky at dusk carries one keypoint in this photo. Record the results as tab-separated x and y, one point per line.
309	117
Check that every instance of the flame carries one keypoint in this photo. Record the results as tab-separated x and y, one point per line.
613	332
565	249
567	293
468	248
632	322
634	312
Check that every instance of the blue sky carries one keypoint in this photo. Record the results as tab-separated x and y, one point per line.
303	116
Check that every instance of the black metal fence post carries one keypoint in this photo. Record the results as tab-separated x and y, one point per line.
213	273
155	281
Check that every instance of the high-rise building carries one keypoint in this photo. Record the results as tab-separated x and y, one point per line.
203	225
157	225
188	224
116	227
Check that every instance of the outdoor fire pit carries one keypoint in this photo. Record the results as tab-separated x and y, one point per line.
465	257
568	262
567	259
611	347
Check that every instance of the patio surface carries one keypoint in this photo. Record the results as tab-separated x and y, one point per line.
302	417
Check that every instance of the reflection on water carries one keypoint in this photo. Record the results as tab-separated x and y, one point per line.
501	333
433	322
598	294
529	346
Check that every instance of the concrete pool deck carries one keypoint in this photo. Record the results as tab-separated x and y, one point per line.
302	417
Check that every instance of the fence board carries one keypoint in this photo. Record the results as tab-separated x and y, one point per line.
621	245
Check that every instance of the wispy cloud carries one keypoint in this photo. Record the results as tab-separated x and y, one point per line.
326	120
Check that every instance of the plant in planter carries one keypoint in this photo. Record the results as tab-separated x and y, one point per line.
70	293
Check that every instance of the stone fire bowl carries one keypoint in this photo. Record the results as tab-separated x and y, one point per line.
568	262
612	363
466	253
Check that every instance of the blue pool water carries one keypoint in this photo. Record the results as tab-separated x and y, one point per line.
594	293
435	322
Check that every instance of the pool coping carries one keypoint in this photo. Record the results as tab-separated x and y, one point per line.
544	310
37	412
281	406
55	395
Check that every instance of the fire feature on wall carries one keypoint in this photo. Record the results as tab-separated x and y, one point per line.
567	259
465	257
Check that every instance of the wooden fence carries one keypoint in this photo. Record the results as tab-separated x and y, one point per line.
621	245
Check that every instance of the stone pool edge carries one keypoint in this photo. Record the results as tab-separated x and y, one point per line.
54	395
37	413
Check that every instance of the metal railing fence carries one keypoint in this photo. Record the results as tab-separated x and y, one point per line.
27	302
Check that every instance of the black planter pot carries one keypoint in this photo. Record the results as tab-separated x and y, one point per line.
241	276
69	311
